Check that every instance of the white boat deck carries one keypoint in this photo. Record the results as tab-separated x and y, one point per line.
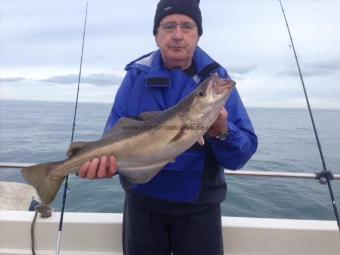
100	234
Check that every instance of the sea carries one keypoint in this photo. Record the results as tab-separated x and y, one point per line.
32	132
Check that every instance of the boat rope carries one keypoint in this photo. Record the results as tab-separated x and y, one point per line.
32	232
45	211
324	176
72	136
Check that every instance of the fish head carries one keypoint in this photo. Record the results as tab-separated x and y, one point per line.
208	99
214	90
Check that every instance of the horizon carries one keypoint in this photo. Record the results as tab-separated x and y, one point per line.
110	103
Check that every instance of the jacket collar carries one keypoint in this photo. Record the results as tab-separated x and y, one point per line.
157	76
152	63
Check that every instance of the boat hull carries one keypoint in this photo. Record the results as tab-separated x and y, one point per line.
100	233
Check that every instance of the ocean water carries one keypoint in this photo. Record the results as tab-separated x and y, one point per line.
32	132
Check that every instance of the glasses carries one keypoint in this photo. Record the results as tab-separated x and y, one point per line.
170	27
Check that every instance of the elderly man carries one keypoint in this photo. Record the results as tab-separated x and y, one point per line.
178	211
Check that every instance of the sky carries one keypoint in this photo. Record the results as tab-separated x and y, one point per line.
40	48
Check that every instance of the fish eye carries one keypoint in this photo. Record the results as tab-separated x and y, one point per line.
201	93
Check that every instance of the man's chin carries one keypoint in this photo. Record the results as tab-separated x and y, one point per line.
177	56
177	63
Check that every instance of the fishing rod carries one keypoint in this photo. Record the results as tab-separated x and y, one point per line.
72	136
324	176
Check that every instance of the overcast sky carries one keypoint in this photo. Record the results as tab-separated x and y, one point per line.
40	47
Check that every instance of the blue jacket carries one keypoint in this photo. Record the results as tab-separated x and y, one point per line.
196	178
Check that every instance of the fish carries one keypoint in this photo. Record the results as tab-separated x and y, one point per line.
141	146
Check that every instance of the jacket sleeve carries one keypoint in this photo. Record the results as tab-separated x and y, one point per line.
120	105
241	143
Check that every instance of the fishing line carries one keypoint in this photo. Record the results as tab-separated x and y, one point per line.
72	136
324	176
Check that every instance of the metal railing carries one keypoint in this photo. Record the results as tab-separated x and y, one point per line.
254	173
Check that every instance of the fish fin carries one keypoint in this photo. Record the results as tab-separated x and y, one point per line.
148	115
179	135
39	177
74	148
121	124
201	141
140	177
142	174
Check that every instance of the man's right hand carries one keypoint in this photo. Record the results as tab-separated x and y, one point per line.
105	167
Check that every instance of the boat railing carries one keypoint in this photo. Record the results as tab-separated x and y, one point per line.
253	173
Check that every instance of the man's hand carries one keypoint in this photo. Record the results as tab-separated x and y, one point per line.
220	124
99	168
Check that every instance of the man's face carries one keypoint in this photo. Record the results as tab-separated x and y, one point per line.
177	38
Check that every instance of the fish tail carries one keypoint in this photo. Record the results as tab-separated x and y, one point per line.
39	177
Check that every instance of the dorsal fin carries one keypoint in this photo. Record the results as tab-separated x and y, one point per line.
148	115
124	122
74	148
121	124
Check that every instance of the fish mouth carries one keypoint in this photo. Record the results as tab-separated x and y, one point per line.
221	86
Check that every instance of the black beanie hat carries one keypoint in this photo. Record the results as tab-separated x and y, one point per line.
186	7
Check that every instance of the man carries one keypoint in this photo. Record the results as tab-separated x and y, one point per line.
179	209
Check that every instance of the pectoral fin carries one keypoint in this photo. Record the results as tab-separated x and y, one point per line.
179	135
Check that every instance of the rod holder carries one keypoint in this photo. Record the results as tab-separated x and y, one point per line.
323	176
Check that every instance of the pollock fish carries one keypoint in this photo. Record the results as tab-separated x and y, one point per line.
143	146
